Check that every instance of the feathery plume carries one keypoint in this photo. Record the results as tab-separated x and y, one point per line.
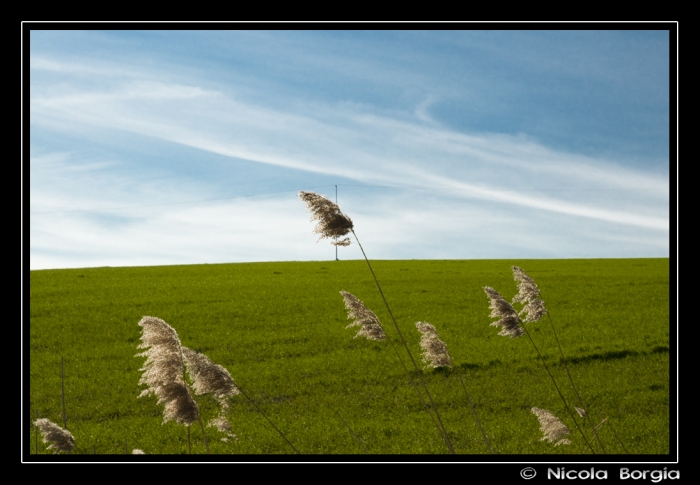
365	318
552	427
223	425
208	377
163	371
528	295
332	223
137	452
61	439
509	319
435	353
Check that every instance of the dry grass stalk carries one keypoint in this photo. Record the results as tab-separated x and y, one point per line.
528	295
509	319
435	353
61	440
163	371
365	318
136	451
555	431
332	223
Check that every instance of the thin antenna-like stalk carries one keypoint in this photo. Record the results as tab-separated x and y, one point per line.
336	203
63	396
359	441
268	419
403	340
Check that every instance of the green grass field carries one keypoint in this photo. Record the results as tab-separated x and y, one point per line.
279	329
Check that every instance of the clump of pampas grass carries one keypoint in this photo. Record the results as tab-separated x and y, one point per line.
61	440
167	361
164	374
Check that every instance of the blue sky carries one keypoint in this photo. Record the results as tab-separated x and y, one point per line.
189	147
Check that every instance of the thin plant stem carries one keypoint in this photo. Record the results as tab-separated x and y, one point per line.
476	417
268	419
63	396
126	448
206	445
616	437
199	417
94	450
566	405
36	435
359	441
403	340
578	396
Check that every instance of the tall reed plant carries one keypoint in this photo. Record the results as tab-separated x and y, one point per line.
513	325
168	363
333	224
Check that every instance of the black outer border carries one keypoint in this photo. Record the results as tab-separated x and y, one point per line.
547	467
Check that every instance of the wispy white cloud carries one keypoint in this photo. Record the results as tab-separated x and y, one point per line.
354	145
400	226
453	193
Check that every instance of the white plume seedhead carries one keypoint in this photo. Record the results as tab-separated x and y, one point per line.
435	353
208	377
509	319
528	295
61	440
365	318
555	431
163	371
332	223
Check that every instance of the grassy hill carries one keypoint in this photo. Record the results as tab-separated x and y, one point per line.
280	330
